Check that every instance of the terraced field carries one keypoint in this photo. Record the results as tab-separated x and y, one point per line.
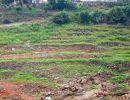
66	62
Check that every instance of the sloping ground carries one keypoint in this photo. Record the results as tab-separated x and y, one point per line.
67	62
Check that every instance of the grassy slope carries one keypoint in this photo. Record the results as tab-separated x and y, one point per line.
113	41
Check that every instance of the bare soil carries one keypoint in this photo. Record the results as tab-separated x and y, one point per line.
9	92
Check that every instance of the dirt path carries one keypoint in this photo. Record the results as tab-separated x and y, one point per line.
43	55
9	89
21	23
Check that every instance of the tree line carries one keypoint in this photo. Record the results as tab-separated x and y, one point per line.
117	15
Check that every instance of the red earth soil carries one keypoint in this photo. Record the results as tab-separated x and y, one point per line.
9	90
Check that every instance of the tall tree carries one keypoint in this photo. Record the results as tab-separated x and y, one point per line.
52	2
124	1
7	2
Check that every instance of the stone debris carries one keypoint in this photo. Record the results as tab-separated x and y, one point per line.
48	98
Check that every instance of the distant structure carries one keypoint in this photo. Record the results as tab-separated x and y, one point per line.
39	1
31	1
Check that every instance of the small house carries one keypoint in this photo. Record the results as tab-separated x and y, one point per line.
38	1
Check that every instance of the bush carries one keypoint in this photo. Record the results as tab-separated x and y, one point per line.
30	7
18	9
35	27
117	15
61	4
6	21
127	12
7	2
84	17
61	18
46	7
99	17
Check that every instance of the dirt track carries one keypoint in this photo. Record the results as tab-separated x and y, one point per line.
21	23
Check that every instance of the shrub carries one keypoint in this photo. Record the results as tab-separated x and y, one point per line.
35	27
99	17
61	4
46	6
6	21
127	12
117	15
7	2
61	18
29	7
123	87
18	9
118	79
84	17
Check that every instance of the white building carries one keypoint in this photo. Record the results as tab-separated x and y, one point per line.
38	1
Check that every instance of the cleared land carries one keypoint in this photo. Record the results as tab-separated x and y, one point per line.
67	62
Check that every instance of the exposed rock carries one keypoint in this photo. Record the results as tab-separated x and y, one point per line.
48	98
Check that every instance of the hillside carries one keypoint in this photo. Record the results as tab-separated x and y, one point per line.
65	51
76	60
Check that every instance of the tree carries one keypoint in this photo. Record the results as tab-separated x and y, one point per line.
46	7
61	18
117	15
52	2
99	17
124	1
127	12
7	2
85	17
60	4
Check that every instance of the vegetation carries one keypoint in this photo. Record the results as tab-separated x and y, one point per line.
82	48
84	18
118	16
115	16
61	18
99	17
